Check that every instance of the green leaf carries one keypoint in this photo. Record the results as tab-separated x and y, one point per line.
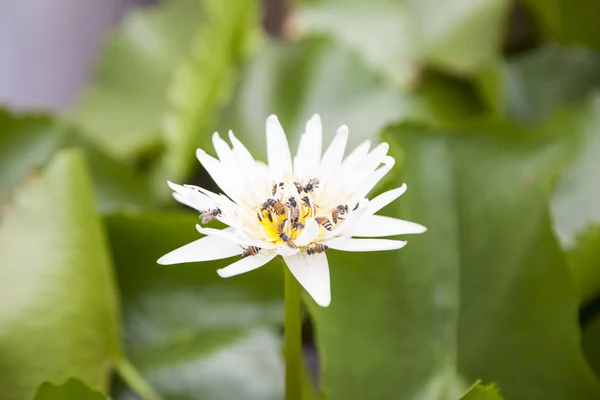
205	82
397	37
117	186
483	293
591	344
569	21
483	392
191	333
575	201
584	260
27	142
530	86
73	389
58	306
328	80
121	111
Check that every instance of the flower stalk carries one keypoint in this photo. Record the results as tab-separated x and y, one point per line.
293	337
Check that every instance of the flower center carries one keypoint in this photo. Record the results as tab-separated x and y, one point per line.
283	216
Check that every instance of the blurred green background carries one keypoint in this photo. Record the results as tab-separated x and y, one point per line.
492	111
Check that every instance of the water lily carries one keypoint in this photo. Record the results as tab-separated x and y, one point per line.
297	208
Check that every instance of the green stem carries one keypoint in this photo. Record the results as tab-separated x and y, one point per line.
293	337
134	380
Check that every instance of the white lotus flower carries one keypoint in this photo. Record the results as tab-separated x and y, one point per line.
293	208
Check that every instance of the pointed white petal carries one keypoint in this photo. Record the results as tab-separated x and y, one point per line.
286	251
373	179
379	225
246	264
243	154
370	162
385	198
190	197
308	157
220	173
235	237
313	274
222	148
278	151
356	156
205	249
334	154
254	175
308	234
366	244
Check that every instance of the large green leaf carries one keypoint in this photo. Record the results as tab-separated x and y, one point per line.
584	260
485	293
58	307
591	344
27	142
73	389
192	334
398	36
205	82
121	111
483	392
575	201
297	80
569	21
530	86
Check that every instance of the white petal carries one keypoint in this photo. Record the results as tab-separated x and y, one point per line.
205	249
334	154
246	264
356	156
255	175
286	251
373	179
313	274
379	225
308	234
278	151
370	162
308	157
365	244
385	198
185	195
222	148
220	173
243	153
233	236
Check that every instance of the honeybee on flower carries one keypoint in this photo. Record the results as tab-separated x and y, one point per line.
296	208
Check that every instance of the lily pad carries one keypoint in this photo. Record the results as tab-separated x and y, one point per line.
58	304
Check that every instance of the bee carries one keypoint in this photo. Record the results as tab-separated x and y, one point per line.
274	188
311	185
277	206
283	236
305	201
338	212
317	249
324	221
297	225
250	251
209	215
263	208
294	209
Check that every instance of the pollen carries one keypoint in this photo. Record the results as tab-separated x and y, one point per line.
284	214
